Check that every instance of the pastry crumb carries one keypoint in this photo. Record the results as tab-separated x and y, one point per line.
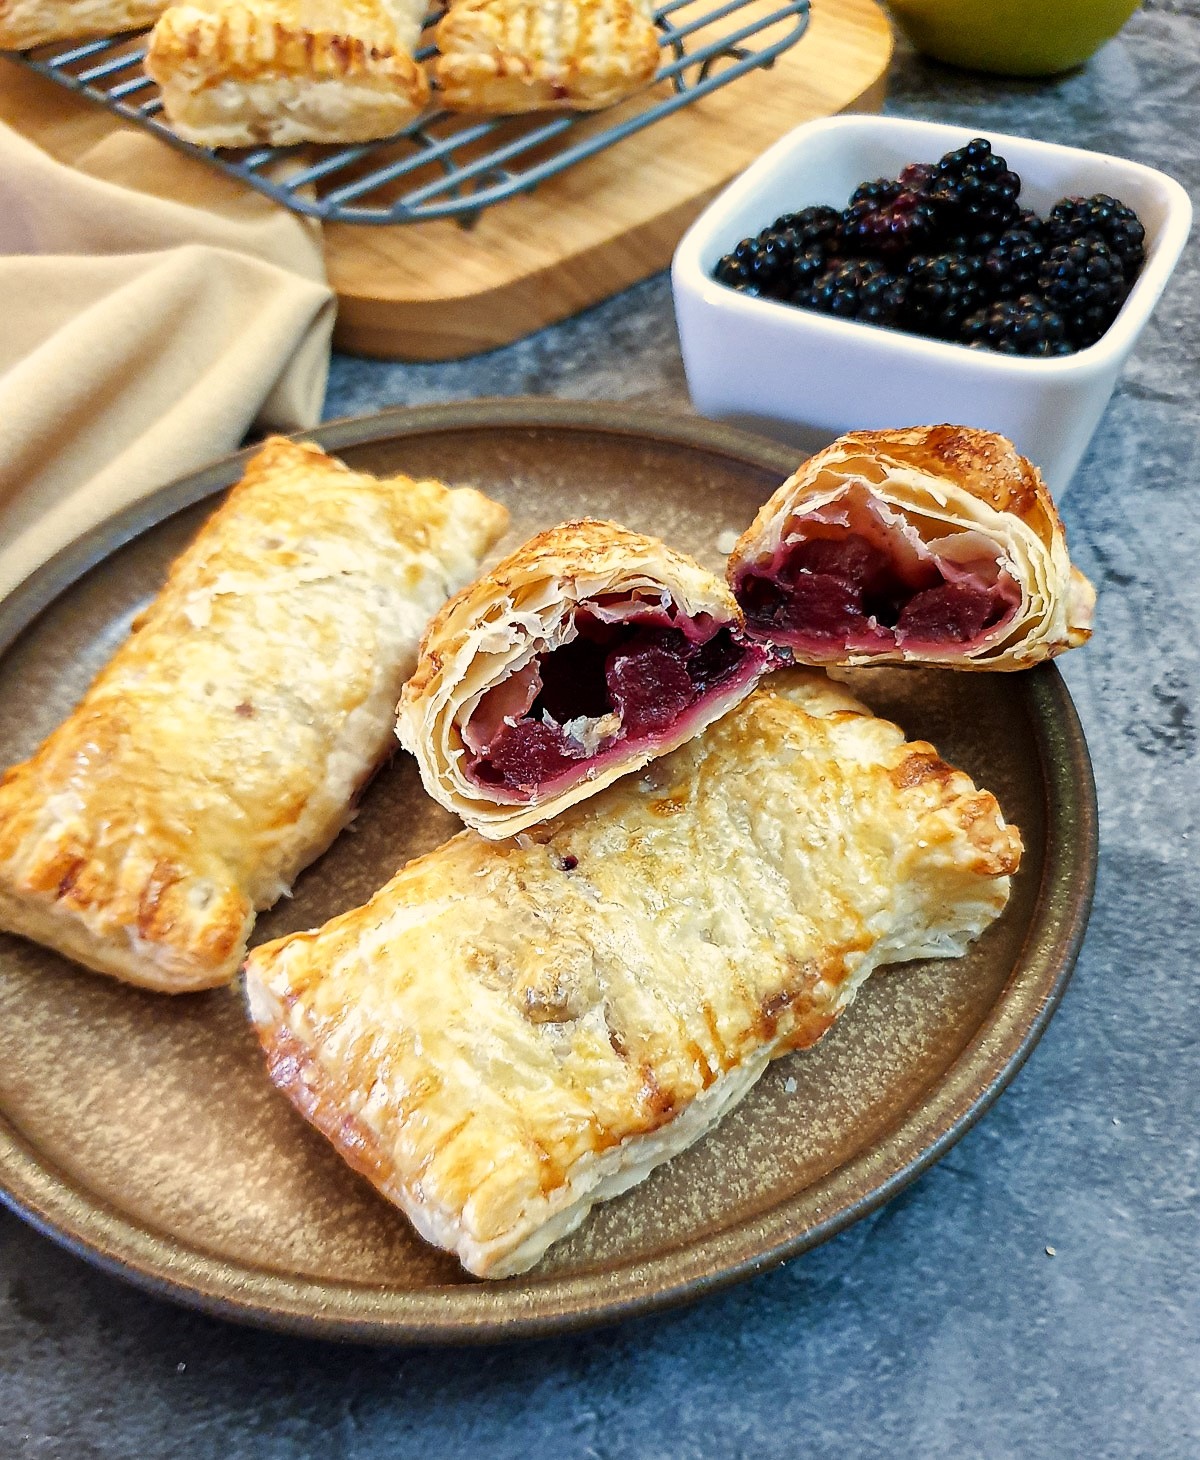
727	541
1051	1252
790	1084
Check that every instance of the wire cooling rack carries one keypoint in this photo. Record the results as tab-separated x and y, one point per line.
445	165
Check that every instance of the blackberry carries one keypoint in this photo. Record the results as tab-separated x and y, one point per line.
882	190
768	262
943	289
1011	265
732	271
905	225
1103	217
812	225
974	190
1085	283
862	289
917	176
806	268
1023	326
971	242
761	264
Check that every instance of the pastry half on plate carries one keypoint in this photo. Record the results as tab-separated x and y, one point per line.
501	56
224	745
26	23
584	654
234	73
507	1034
933	545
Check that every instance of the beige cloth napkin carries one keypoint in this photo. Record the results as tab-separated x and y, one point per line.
141	333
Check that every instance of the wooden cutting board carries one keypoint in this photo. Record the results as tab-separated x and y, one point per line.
438	291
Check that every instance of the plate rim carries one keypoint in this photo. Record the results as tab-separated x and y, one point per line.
121	1244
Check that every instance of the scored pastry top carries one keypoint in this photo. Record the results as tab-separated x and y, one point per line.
223	745
523	55
932	545
583	655
509	1032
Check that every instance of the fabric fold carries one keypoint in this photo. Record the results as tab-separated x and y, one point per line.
144	334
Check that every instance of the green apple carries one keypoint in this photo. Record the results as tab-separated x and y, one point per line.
1014	37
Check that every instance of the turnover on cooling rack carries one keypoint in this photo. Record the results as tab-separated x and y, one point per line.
238	72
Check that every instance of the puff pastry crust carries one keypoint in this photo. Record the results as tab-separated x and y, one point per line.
522	702
222	747
536	55
26	23
234	73
934	545
507	1034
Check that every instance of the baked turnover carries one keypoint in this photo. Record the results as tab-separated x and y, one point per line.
535	55
223	746
580	657
507	1034
25	23
935	545
234	73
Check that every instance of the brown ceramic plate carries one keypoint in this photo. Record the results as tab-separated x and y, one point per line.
141	1131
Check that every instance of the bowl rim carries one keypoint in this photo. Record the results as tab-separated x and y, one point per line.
1166	244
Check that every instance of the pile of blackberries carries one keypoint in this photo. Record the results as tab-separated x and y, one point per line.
946	250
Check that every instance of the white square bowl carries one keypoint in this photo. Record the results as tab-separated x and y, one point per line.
792	372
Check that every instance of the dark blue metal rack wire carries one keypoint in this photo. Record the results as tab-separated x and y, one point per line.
443	165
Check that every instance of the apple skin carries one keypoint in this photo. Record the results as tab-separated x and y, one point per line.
1012	37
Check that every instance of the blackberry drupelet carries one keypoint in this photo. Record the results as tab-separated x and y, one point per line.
1103	217
943	289
862	289
1085	283
905	225
1011	265
1023	326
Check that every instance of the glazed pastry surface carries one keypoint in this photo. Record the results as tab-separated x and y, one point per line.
536	55
223	746
508	1033
584	654
933	545
238	72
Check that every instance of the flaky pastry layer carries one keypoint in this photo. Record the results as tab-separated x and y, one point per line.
517	611
939	484
223	746
509	1032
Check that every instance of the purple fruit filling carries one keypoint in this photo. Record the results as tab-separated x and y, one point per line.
865	584
615	686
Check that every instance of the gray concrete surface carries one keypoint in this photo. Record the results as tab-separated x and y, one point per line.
940	1327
